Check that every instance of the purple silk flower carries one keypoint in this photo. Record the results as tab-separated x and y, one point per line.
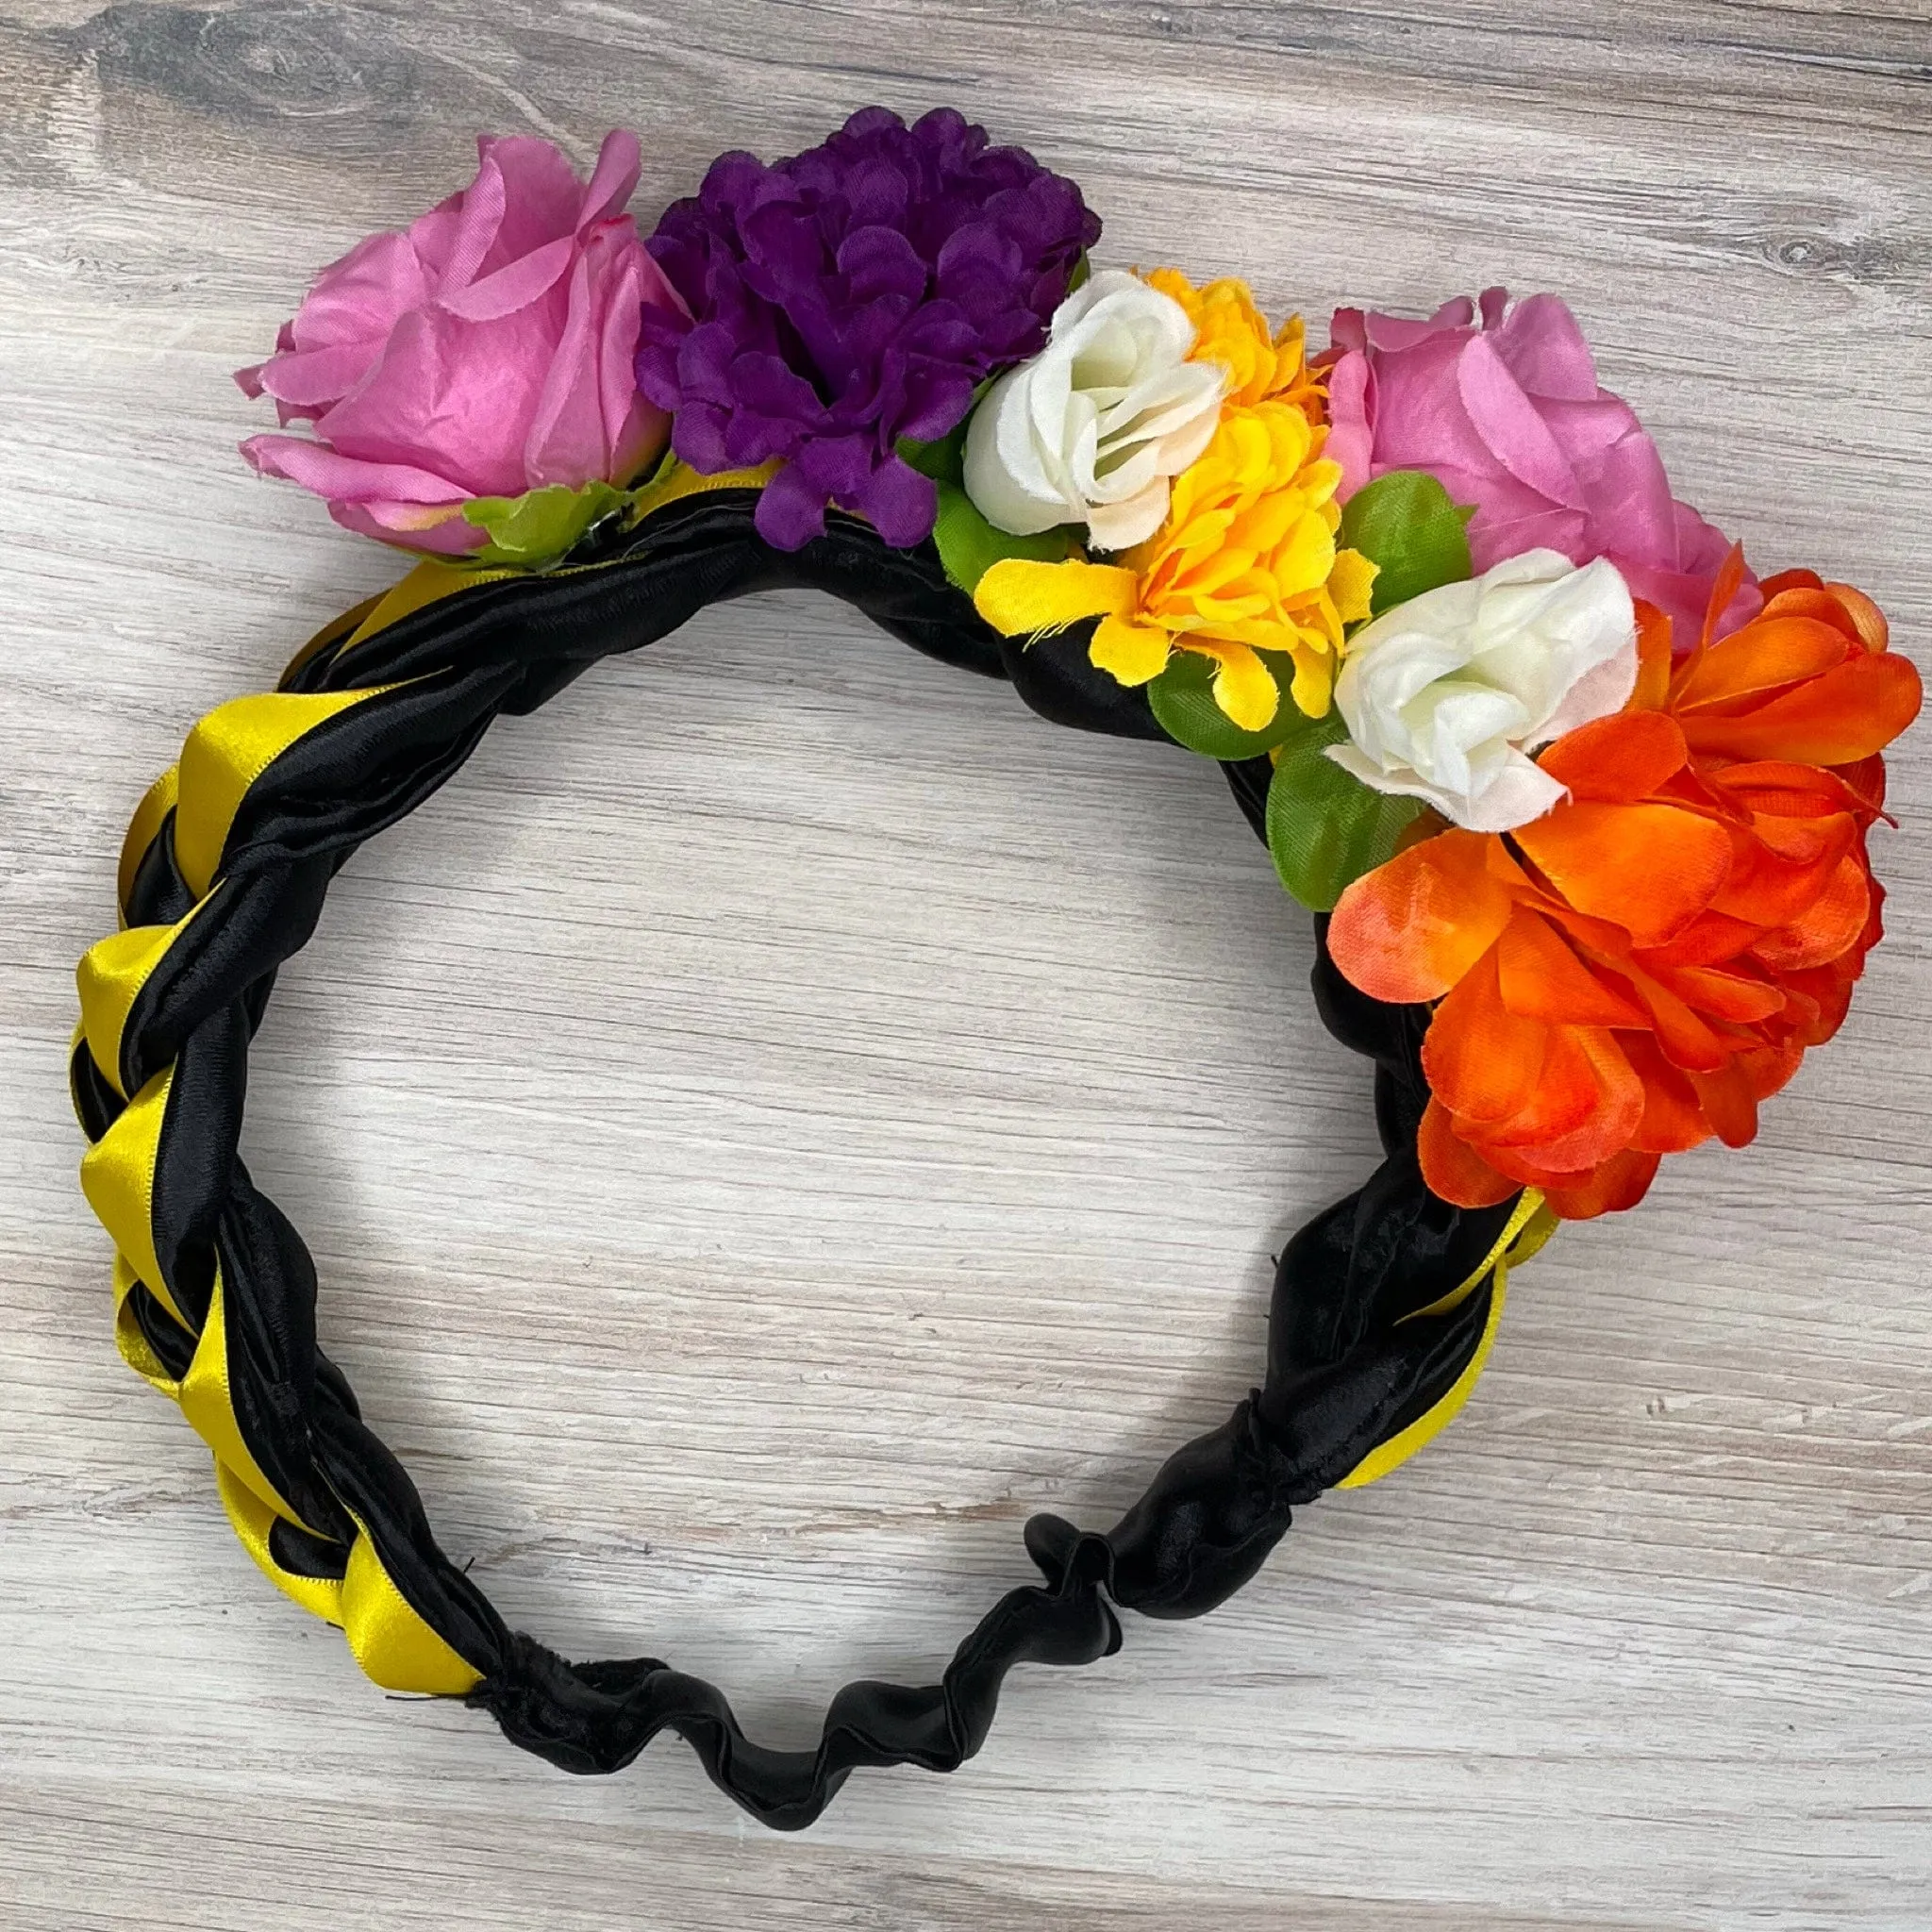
847	298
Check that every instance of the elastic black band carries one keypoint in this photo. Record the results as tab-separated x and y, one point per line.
1350	1360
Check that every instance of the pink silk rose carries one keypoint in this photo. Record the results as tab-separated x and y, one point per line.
484	351
1506	414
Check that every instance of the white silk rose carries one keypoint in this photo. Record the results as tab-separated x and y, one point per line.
1446	696
1090	430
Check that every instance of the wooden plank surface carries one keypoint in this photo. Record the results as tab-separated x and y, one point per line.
784	1115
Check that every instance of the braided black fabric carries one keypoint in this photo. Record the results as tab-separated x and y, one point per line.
1342	1375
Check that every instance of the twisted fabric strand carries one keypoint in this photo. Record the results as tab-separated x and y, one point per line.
1383	1305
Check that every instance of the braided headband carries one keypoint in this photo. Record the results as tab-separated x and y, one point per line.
1580	804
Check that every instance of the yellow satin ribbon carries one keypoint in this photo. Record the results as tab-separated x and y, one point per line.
111	973
1532	1224
428	583
677	480
156	804
393	1643
117	1176
396	1649
225	753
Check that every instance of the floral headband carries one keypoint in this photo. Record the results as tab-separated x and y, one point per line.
1580	802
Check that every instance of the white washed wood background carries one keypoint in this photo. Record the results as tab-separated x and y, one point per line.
784	1114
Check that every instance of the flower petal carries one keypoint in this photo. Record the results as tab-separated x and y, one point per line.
1673	1122
1762	656
1828	927
1782	865
1731	996
790	511
1862	614
317	467
615	179
1410	929
1244	688
1483	1062
1728	1102
1688	1041
1130	652
1651	868
566	441
1846	714
1653	658
1584	1107
1451	1169
1515	429
1019	598
1541	979
1781	788
1609	1188
1617	759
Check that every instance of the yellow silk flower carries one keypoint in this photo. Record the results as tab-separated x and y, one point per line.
1246	562
1231	330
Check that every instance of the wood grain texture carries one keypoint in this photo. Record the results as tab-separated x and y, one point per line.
784	1114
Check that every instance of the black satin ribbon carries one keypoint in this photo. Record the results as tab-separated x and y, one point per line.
1345	1370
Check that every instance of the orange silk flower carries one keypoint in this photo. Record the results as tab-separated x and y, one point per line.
1634	971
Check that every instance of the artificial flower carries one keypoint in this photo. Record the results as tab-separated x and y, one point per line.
484	351
1506	412
1638	970
850	296
1245	573
1262	365
1446	695
1090	430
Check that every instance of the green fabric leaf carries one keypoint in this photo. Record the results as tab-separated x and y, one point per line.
1326	828
1406	522
944	459
1182	698
537	528
969	546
